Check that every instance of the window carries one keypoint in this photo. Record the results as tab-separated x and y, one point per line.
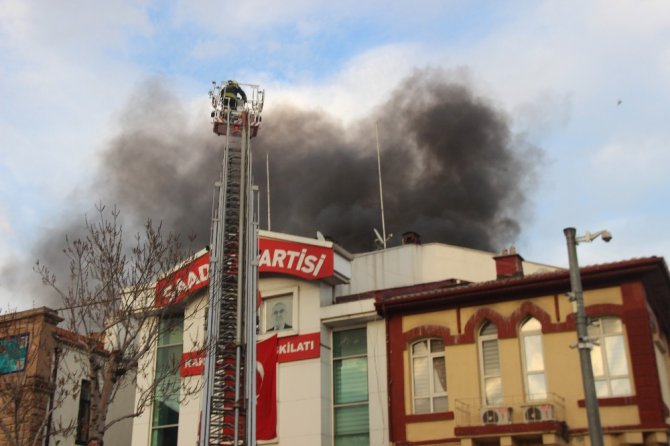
609	359
533	360
13	353
489	361
350	388
165	416
429	376
84	415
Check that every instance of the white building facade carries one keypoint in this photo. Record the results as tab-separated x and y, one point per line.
331	377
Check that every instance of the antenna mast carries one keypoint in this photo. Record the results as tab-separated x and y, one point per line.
381	190
267	180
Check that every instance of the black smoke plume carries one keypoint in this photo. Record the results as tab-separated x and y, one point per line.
452	169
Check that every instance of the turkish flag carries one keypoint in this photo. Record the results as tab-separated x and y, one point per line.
266	389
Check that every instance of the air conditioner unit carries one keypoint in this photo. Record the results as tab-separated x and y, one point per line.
540	412
496	415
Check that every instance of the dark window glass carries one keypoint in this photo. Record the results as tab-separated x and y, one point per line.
84	416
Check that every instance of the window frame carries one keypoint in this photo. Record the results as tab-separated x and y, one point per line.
524	360
287	296
335	359
483	377
167	379
596	330
430	356
14	351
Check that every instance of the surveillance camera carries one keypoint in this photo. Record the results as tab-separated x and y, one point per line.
606	235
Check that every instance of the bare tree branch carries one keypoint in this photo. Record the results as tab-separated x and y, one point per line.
110	300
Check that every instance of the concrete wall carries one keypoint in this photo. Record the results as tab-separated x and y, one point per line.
414	264
304	402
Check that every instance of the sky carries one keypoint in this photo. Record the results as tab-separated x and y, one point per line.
585	83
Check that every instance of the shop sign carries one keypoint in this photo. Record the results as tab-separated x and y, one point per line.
192	363
308	262
296	259
298	348
183	282
289	349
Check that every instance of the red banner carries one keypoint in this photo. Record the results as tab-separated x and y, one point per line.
296	259
289	349
192	363
266	389
297	348
183	282
308	262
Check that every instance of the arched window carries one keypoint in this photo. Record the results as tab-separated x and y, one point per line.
429	376
609	358
489	361
533	360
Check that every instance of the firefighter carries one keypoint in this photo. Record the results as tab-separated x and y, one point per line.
232	93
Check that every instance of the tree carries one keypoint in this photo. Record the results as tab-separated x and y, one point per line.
110	300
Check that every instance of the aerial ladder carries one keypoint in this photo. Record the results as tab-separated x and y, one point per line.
229	394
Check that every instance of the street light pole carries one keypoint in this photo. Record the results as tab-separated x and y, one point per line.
584	343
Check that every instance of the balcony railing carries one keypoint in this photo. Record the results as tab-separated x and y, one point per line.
514	410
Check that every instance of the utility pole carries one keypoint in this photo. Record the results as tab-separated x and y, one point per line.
584	342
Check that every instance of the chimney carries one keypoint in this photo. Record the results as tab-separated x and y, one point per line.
411	238
509	264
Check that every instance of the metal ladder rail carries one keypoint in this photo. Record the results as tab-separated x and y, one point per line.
230	391
214	307
225	396
240	414
224	360
251	289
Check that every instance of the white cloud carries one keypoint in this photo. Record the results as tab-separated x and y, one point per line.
252	18
229	17
557	68
5	227
53	27
5	235
632	18
630	167
61	78
212	49
359	86
569	48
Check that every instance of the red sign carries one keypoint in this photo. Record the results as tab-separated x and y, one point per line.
183	282
276	256
297	348
296	259
291	348
192	363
